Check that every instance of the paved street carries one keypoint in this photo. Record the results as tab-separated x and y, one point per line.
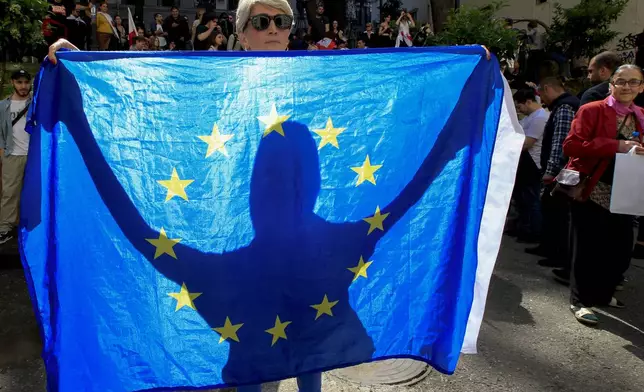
529	340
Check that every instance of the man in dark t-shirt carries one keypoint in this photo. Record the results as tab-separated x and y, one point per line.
318	25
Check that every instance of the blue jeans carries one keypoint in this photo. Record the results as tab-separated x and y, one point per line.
310	382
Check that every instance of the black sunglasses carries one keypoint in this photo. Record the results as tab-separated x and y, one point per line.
261	22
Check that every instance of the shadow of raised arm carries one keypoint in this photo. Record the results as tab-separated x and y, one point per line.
451	139
121	207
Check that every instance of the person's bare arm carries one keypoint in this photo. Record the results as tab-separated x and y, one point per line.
58	45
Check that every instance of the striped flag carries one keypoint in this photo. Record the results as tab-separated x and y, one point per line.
131	28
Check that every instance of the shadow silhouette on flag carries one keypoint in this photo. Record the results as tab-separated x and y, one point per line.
296	259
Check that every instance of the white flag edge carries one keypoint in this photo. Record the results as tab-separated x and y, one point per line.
505	160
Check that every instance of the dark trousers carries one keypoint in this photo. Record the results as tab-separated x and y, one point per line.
555	233
527	190
602	245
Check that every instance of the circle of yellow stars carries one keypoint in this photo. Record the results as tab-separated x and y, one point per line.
216	143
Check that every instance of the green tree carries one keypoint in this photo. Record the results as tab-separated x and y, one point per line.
582	30
478	25
392	8
20	28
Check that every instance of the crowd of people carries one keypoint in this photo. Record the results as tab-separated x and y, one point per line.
89	25
564	181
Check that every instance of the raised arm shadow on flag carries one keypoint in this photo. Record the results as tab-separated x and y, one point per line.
217	220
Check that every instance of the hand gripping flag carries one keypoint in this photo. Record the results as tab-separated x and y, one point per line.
195	220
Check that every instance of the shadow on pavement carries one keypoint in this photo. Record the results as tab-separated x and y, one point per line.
504	303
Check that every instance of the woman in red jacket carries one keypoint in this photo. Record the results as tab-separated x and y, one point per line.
602	241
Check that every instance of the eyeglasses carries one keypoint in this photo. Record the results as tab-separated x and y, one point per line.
261	22
631	83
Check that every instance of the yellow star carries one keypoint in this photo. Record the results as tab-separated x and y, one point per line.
324	308
360	269
278	331
176	186
163	244
375	221
184	298
228	331
329	134
366	171
273	122
216	141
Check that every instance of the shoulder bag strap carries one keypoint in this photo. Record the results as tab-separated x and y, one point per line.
20	115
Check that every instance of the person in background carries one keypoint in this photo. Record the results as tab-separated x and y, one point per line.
140	31
422	35
361	44
201	10
156	29
405	22
527	188
234	44
336	33
205	31
139	43
536	52
603	241
369	36
296	41
177	28
600	69
318	25
555	211
14	146
77	28
226	24
54	25
105	29
218	42
122	33
384	32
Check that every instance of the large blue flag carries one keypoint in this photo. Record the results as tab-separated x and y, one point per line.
211	219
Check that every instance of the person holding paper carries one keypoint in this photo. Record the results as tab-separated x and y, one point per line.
602	241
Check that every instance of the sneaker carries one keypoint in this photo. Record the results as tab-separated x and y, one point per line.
562	276
584	315
7	236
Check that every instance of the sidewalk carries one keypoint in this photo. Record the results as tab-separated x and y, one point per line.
529	340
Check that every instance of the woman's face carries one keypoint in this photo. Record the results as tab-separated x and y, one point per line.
271	38
118	20
104	7
335	25
219	39
388	19
626	85
369	27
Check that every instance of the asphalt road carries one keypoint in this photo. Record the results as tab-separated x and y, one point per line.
529	340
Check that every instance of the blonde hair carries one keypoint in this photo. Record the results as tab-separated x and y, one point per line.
244	7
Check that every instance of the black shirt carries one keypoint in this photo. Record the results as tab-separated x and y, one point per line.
205	44
595	93
318	27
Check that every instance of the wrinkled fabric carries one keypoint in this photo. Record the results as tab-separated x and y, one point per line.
221	219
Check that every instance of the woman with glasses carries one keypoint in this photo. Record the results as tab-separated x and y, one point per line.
602	241
262	25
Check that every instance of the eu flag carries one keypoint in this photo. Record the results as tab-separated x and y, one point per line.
213	219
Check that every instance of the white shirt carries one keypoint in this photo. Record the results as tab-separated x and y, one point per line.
20	136
162	41
533	127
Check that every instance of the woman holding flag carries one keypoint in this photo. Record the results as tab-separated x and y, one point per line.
262	25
